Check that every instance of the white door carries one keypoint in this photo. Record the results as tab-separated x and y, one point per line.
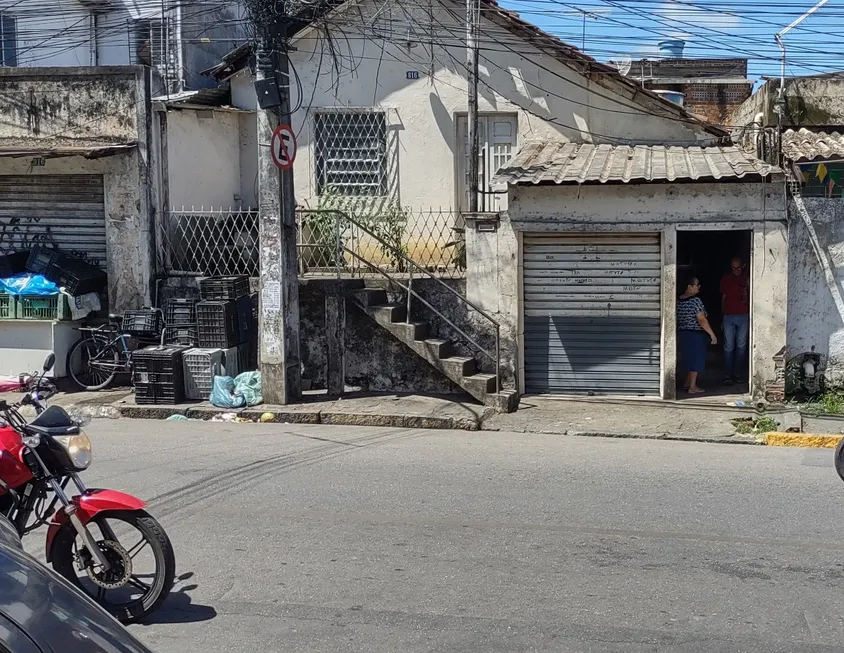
497	136
592	313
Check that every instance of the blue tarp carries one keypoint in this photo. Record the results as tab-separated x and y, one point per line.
28	284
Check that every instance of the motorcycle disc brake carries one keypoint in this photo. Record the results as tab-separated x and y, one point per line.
121	566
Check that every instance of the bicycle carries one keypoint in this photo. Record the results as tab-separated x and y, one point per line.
103	352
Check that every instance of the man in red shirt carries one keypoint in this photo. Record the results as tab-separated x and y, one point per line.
735	305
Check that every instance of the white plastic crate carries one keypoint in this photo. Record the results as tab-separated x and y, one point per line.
201	366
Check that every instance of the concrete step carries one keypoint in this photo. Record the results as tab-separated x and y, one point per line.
410	331
390	312
368	297
459	366
479	385
438	348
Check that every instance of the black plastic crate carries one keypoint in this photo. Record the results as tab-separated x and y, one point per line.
76	276
159	393
40	260
245	320
224	287
181	334
12	264
217	325
144	322
159	375
179	311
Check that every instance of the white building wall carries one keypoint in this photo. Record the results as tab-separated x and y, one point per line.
57	33
204	150
654	208
550	99
815	282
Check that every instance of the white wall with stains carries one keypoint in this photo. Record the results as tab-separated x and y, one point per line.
359	70
654	208
204	150
815	282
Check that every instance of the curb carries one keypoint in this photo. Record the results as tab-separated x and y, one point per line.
720	439
304	416
806	440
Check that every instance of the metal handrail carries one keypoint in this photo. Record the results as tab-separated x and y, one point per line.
340	247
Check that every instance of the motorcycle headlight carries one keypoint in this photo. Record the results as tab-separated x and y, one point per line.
78	449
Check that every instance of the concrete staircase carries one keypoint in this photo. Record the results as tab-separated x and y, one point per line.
462	370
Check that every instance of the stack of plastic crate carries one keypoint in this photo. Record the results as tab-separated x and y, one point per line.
224	316
180	321
158	375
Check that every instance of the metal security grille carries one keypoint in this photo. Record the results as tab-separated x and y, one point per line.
203	243
351	152
65	212
158	46
592	313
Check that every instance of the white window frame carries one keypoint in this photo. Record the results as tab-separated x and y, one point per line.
494	154
332	154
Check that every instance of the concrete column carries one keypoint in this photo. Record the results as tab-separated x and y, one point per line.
668	358
335	329
769	302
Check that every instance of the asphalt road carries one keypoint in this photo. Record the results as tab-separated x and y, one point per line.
317	538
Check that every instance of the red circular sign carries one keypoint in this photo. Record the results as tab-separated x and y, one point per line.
283	147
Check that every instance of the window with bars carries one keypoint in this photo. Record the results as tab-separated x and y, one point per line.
157	46
351	152
8	40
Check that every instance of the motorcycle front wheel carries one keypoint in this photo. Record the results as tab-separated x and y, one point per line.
143	564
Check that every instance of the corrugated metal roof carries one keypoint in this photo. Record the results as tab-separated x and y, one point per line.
805	145
577	163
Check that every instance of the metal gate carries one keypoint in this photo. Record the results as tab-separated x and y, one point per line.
592	313
66	212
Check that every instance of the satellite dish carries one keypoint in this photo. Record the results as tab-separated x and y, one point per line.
622	64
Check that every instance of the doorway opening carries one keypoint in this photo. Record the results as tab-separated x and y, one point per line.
707	255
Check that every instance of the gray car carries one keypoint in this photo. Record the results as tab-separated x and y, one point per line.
40	612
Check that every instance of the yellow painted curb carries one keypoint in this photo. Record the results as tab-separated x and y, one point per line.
813	440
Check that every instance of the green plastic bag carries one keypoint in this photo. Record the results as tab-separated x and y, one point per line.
248	386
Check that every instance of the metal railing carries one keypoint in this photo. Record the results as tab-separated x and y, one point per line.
208	242
342	222
433	238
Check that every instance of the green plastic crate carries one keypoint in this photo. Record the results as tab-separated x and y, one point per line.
40	307
7	306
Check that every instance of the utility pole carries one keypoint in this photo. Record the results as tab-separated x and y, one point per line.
472	24
279	296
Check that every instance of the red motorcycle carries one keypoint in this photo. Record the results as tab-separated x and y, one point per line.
103	541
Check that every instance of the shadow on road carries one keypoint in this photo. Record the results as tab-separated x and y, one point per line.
179	607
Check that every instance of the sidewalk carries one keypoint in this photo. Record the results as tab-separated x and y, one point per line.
711	421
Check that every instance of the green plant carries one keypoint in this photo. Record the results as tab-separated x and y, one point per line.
754	425
388	221
830	402
458	256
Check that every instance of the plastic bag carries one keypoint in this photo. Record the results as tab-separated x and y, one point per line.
28	284
248	385
223	393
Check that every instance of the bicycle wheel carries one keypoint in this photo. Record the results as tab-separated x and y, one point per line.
92	363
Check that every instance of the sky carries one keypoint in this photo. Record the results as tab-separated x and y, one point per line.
744	28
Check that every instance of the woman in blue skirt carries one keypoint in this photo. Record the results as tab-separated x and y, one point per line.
693	334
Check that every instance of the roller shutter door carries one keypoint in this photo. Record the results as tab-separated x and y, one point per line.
65	212
592	313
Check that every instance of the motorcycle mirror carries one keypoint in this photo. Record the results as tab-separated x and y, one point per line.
48	364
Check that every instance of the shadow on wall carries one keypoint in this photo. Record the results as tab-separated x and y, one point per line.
815	267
